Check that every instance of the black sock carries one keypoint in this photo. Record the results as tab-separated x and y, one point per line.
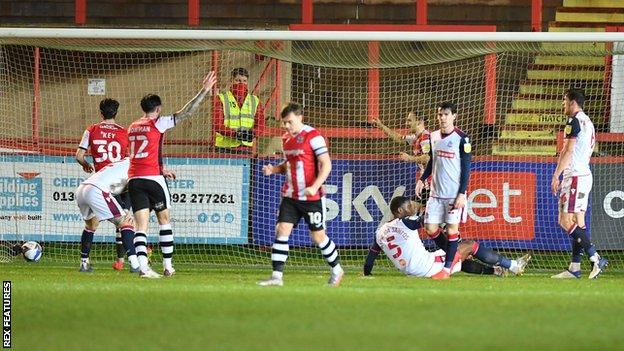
577	251
86	241
279	254
490	256
119	245
453	243
439	238
474	267
127	237
579	235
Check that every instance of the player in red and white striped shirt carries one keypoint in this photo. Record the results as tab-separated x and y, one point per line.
419	139
107	142
148	190
306	168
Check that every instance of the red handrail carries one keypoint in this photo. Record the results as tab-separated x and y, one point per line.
80	9
421	12
193	13
536	15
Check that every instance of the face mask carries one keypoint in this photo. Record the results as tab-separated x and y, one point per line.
239	89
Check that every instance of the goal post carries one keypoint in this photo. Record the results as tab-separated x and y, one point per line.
508	88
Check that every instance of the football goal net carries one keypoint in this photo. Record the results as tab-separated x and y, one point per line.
508	88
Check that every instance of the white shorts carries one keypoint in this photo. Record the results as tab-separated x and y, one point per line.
93	202
441	211
438	264
574	193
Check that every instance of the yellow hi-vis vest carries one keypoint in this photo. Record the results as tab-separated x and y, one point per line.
236	117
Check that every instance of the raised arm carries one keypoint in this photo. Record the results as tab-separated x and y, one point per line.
396	137
209	81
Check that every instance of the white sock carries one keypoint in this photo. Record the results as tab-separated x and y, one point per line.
134	261
277	275
574	266
514	266
337	269
143	263
84	260
167	264
595	258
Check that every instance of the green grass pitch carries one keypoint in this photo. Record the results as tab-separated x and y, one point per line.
57	308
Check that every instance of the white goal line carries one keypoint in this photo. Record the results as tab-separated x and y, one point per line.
186	34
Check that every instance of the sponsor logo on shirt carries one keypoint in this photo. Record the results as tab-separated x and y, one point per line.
445	154
295	152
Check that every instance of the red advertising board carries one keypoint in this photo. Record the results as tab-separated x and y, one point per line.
503	206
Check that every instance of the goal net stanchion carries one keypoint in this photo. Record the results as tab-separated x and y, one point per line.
224	209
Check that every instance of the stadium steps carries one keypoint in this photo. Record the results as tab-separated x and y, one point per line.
553	102
534	119
589	14
554	88
594	3
523	134
509	149
581	26
597	61
535	116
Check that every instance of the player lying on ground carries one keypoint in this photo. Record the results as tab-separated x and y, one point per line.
400	241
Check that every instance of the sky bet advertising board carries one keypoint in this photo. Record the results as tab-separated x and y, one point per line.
209	199
510	204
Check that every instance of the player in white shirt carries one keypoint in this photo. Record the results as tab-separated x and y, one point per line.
449	168
573	191
95	198
400	241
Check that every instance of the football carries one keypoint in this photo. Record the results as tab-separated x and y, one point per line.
32	251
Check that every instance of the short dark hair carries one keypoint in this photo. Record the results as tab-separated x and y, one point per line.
397	203
576	95
149	103
108	108
292	107
447	105
240	71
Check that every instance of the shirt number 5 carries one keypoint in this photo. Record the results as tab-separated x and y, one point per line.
393	246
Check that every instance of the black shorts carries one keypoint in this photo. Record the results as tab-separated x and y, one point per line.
313	212
124	200
148	193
